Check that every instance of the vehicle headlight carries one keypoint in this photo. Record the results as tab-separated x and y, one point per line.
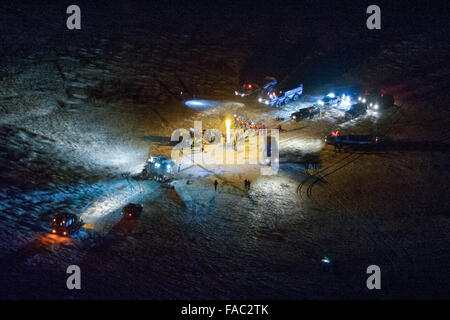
236	93
375	107
157	165
320	102
364	100
359	98
294	117
260	100
266	102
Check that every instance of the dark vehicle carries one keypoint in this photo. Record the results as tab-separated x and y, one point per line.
351	139
159	168
252	87
247	89
306	113
356	110
131	211
66	224
376	99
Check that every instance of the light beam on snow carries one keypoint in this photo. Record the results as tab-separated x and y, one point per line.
112	202
201	104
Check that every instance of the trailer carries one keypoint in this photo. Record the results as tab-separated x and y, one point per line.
351	139
272	98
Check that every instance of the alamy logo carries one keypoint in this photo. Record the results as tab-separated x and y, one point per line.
74	20
374	21
74	280
237	147
374	281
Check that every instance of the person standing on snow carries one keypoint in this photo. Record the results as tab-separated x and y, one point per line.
215	185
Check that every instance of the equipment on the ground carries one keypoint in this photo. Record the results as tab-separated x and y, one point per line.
159	168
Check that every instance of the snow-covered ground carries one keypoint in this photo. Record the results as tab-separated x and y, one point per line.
77	122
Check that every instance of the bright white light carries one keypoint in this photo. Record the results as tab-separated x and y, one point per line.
168	166
236	93
266	102
320	102
331	95
157	165
293	117
260	100
326	260
359	98
364	100
375	107
227	123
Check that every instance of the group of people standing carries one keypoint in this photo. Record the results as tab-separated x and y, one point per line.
242	123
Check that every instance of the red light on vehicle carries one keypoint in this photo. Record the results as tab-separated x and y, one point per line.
129	214
376	140
249	86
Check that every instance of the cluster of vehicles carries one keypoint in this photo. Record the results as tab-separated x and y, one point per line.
370	102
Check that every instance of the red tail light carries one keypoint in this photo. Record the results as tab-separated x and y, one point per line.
376	140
